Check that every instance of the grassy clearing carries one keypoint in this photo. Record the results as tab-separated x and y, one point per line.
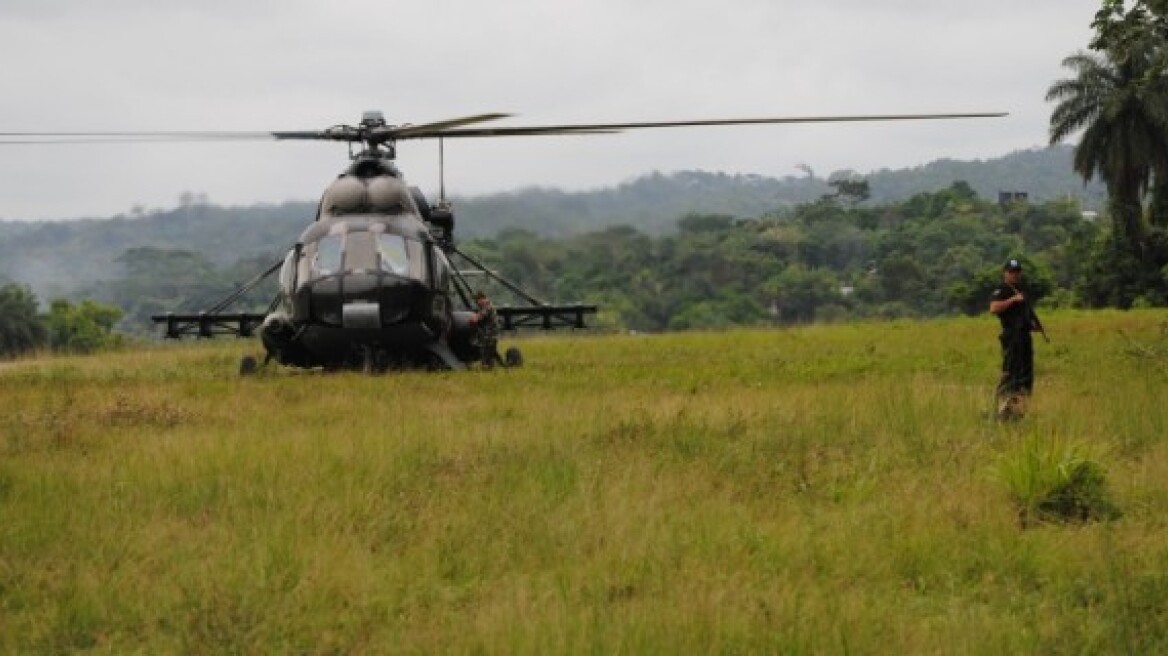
819	490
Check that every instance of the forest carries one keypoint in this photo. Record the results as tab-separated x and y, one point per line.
59	258
833	259
829	260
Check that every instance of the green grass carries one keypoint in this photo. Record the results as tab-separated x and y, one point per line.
817	490
1052	481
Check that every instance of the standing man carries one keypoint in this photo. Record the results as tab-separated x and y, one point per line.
486	323
1008	301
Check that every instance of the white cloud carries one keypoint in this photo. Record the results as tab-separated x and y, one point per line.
307	64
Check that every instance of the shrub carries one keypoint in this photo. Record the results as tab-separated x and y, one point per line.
1054	481
82	328
21	330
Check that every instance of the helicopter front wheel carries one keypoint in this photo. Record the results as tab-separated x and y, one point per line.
248	365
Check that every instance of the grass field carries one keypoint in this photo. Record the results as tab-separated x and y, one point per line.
829	489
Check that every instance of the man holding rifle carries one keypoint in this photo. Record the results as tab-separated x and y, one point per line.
1012	307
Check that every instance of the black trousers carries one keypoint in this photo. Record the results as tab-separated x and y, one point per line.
1017	363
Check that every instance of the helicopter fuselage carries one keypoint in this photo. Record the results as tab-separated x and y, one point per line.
367	284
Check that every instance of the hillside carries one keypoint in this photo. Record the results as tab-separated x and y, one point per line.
654	202
59	257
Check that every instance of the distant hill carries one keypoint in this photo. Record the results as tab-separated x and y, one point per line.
59	257
1043	173
654	202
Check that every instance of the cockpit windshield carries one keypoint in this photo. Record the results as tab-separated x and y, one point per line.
328	255
391	250
367	250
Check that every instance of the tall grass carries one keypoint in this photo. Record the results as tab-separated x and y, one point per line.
1051	480
817	490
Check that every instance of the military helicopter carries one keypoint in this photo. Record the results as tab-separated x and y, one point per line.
371	283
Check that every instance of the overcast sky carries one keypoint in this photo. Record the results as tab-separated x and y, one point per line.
109	65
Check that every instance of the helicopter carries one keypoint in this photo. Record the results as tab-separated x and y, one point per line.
371	283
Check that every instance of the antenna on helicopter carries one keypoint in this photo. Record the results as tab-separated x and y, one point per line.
441	171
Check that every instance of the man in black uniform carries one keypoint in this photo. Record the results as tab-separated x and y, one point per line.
1008	301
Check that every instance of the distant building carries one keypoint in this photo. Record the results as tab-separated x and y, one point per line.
1009	197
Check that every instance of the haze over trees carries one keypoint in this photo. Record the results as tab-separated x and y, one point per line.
832	259
59	258
838	256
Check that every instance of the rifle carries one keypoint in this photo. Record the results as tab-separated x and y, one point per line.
1035	322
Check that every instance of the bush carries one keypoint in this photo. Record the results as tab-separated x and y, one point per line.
1054	481
21	330
82	328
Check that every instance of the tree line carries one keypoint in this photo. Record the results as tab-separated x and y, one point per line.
59	258
833	259
67	327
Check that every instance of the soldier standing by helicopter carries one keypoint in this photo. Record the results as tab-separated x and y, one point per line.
1018	319
486	324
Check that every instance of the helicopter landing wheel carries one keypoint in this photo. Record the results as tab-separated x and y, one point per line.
373	361
513	357
248	366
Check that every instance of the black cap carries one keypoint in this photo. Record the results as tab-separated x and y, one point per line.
1012	265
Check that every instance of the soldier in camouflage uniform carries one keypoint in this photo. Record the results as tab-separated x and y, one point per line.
486	323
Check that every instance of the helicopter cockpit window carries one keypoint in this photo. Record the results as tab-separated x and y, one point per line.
360	251
442	269
419	270
288	273
394	259
328	255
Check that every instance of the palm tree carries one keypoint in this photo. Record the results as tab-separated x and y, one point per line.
20	328
1122	108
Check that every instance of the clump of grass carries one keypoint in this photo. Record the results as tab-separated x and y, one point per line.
1055	481
1152	355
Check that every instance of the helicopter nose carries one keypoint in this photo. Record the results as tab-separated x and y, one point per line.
360	315
361	300
358	285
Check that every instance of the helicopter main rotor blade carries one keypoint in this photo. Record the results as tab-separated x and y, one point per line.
336	133
405	131
531	131
450	128
383	133
589	128
50	138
